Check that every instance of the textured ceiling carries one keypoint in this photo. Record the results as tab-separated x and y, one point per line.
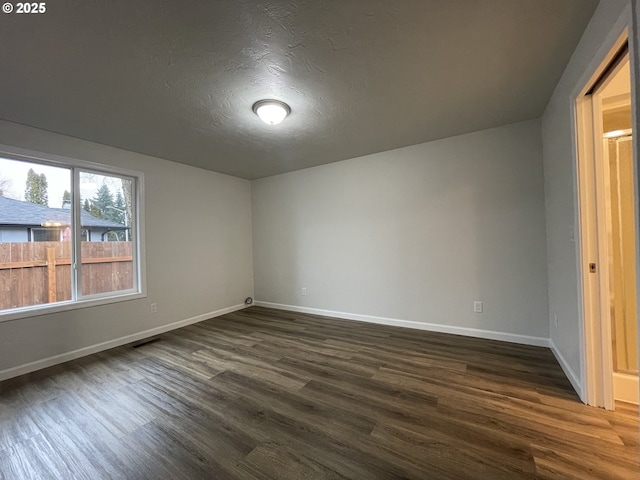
177	79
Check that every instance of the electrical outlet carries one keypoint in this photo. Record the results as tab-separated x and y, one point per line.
154	308
477	306
304	291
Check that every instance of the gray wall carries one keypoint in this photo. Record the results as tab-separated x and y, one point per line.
416	234
12	234
95	234
198	250
560	193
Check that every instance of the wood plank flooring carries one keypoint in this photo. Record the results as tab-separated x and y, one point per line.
266	394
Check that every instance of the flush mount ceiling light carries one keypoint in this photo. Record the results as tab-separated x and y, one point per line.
271	112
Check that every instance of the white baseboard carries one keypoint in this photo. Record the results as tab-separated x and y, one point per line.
576	383
625	387
82	352
432	327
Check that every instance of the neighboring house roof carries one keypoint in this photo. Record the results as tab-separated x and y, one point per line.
25	214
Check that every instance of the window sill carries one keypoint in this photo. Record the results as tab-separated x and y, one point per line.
47	309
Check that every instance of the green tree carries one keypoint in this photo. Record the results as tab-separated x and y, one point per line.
66	198
92	209
97	206
36	189
119	210
102	200
119	214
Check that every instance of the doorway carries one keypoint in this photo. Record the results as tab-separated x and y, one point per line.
618	155
608	229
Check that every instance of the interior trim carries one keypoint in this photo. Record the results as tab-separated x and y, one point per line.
99	347
576	383
432	327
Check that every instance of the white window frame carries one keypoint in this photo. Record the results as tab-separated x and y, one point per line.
138	251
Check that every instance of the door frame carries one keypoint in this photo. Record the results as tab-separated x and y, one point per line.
590	177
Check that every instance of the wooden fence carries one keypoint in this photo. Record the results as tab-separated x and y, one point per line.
35	273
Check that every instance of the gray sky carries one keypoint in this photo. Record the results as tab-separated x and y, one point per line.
58	179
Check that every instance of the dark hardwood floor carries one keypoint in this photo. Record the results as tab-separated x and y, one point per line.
266	394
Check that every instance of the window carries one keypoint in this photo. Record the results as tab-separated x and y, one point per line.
107	211
69	235
48	234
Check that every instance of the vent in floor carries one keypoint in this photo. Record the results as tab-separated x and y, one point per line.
145	341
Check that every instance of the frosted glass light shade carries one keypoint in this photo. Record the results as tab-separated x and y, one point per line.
271	112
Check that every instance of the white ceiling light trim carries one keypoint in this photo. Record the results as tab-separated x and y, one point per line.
271	112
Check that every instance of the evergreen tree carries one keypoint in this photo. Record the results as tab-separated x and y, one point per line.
102	200
119	212
103	197
36	189
92	209
66	198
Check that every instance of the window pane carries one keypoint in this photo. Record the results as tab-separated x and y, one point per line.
107	216
35	234
52	234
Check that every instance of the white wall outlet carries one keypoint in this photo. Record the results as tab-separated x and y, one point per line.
154	308
477	306
304	291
